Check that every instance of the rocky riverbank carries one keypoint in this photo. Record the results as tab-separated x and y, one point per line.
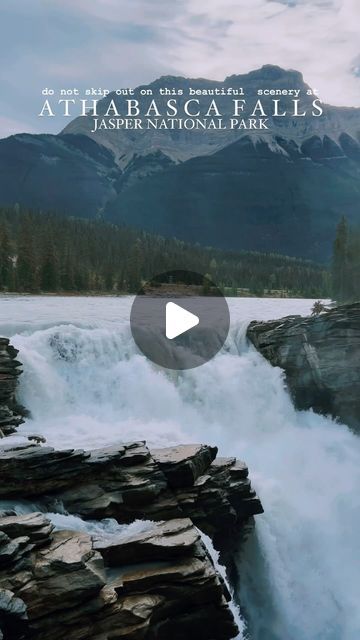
70	585
321	359
11	414
129	482
145	574
157	584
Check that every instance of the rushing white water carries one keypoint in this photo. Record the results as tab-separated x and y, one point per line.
86	385
234	607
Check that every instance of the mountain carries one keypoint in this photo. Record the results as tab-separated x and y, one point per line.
71	174
251	195
281	189
180	145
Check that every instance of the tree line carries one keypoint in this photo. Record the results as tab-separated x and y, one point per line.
346	263
43	252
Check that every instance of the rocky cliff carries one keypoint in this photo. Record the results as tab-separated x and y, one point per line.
70	585
321	359
11	413
129	482
153	583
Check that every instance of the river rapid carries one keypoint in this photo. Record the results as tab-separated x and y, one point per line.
87	385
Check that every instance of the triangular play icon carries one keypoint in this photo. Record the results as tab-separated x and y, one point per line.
178	320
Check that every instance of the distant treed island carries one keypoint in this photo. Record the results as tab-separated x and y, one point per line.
44	252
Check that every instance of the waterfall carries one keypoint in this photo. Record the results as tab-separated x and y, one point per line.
87	386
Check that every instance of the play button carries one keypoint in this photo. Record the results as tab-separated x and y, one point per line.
179	319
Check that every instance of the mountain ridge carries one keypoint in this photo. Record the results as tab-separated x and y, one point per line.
280	190
248	194
182	145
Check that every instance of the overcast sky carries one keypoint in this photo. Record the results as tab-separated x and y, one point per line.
119	43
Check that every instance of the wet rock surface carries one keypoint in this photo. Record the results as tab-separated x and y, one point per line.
11	414
159	584
183	465
156	584
321	359
129	482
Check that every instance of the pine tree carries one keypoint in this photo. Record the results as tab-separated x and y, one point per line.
134	268
26	263
83	255
213	268
340	267
354	266
67	273
6	264
49	269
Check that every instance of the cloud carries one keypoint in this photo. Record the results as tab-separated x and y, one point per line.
320	38
117	43
9	126
216	38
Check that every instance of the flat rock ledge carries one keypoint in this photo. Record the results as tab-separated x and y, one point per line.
158	584
11	414
129	482
321	359
68	585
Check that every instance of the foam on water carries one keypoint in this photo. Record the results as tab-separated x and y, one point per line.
107	529
87	385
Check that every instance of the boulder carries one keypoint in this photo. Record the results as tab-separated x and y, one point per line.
34	526
221	501
184	464
321	359
166	541
66	573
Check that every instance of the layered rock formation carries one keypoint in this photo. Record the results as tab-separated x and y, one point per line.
217	497
127	482
158	584
66	584
321	359
11	414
